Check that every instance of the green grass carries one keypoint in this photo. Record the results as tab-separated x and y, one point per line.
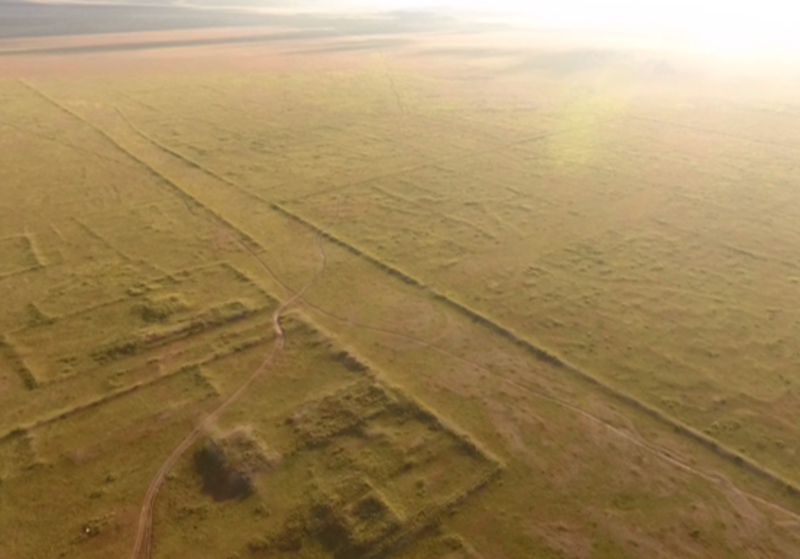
608	280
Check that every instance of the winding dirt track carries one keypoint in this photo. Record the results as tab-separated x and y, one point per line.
145	531
653	449
144	536
144	539
143	546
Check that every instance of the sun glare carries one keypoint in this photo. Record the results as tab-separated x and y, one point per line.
738	28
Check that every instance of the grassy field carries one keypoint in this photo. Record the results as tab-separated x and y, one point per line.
550	303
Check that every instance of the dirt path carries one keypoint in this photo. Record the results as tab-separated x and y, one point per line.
657	451
661	453
144	534
143	546
144	540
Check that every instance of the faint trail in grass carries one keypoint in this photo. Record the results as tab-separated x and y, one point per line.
708	442
650	448
551	358
653	449
61	142
102	400
102	240
172	152
711	131
138	101
144	538
392	85
174	188
143	546
496	148
425	210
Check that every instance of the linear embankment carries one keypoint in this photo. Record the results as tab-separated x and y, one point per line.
554	360
135	387
188	199
540	353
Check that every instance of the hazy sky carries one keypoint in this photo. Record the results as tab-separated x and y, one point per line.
734	26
